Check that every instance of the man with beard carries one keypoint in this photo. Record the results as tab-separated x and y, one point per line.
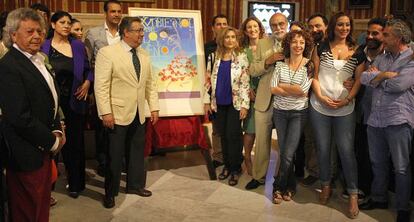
391	120
269	50
318	24
371	49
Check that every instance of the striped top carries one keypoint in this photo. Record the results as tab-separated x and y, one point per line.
332	74
284	74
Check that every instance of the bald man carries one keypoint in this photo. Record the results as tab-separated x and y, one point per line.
269	50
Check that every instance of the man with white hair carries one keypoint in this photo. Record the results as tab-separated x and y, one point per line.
391	121
31	122
269	50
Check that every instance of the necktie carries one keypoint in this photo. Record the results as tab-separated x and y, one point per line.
135	61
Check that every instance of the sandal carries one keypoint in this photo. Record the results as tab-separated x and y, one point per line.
224	174
287	196
234	179
353	211
277	197
325	195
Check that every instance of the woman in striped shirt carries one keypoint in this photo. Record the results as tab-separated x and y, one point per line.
332	105
290	85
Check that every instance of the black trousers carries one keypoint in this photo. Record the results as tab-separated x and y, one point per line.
230	131
73	151
101	142
126	140
299	158
3	158
365	174
2	194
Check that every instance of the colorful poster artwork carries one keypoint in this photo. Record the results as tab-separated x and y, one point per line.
171	44
174	41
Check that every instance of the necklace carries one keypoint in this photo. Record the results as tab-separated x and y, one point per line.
294	73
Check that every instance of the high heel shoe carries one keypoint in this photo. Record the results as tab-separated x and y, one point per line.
325	195
353	210
287	196
277	197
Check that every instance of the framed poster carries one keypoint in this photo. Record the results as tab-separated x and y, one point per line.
174	40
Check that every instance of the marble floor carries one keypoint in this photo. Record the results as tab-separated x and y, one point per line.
182	191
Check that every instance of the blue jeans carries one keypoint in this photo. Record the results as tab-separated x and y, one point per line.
342	129
289	127
394	141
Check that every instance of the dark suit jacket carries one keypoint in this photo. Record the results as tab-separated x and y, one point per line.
28	112
81	71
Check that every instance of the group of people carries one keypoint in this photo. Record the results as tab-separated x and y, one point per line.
325	95
48	74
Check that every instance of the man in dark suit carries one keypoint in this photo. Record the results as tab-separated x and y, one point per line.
31	123
3	154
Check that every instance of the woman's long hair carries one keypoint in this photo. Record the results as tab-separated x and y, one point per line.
221	35
331	29
244	38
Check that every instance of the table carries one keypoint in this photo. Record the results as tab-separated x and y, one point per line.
171	132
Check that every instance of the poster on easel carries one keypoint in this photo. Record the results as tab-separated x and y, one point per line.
174	41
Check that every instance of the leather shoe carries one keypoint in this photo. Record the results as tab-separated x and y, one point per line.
370	205
74	195
109	202
403	216
253	184
140	192
101	171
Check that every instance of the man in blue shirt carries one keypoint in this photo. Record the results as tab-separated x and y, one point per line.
391	121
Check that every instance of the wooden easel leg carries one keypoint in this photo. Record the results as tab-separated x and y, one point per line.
209	163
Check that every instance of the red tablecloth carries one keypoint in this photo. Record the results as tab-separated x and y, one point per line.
175	131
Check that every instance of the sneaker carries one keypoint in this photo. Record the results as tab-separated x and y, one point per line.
361	195
253	184
309	181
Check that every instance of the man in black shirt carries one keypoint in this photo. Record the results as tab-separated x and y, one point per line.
219	22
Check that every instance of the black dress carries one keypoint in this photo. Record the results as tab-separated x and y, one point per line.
73	151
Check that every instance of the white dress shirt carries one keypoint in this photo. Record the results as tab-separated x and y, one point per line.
112	39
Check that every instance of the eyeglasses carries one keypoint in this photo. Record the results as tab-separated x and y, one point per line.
280	24
137	30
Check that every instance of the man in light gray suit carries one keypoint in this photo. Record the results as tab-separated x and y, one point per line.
96	38
267	53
